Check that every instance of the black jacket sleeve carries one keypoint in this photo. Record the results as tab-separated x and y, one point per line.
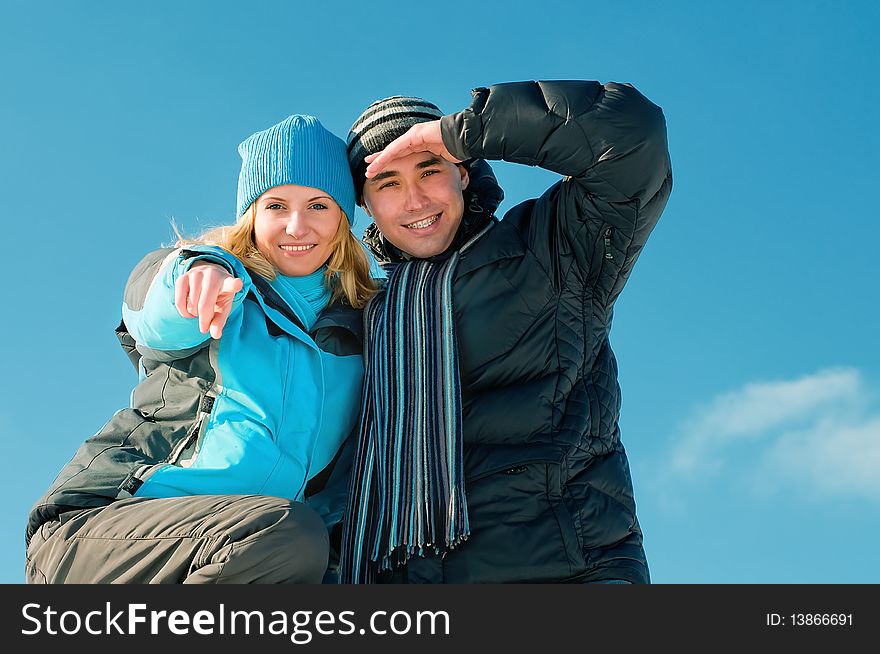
609	143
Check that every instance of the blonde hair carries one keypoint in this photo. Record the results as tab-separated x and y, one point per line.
348	269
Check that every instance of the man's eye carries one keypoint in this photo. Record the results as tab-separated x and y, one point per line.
429	172
387	184
317	206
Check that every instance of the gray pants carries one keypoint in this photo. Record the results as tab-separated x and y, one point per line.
202	539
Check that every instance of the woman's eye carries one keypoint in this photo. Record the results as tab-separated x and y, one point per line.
318	206
274	206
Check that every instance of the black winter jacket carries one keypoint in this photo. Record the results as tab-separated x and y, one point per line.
549	491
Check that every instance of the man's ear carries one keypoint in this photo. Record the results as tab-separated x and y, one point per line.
465	178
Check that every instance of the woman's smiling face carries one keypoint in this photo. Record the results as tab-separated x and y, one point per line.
294	228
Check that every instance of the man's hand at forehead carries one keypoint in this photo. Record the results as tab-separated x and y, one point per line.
422	137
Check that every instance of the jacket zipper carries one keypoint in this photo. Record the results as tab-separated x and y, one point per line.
506	470
136	478
192	437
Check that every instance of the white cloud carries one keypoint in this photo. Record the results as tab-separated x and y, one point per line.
818	433
831	458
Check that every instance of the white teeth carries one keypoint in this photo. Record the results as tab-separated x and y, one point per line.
297	248
424	223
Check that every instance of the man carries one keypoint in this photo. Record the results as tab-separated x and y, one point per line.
489	448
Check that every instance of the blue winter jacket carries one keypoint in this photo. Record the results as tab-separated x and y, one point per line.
282	406
265	409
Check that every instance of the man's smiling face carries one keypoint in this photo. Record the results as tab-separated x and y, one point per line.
417	203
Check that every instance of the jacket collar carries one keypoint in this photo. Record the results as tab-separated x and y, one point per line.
342	315
338	314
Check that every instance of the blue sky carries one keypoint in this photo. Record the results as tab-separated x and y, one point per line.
746	336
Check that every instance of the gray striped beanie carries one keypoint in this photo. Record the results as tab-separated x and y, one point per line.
379	124
298	150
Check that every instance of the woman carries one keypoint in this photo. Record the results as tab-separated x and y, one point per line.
226	467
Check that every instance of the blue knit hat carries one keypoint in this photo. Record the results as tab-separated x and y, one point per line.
298	150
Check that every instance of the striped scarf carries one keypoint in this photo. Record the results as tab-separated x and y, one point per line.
407	496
